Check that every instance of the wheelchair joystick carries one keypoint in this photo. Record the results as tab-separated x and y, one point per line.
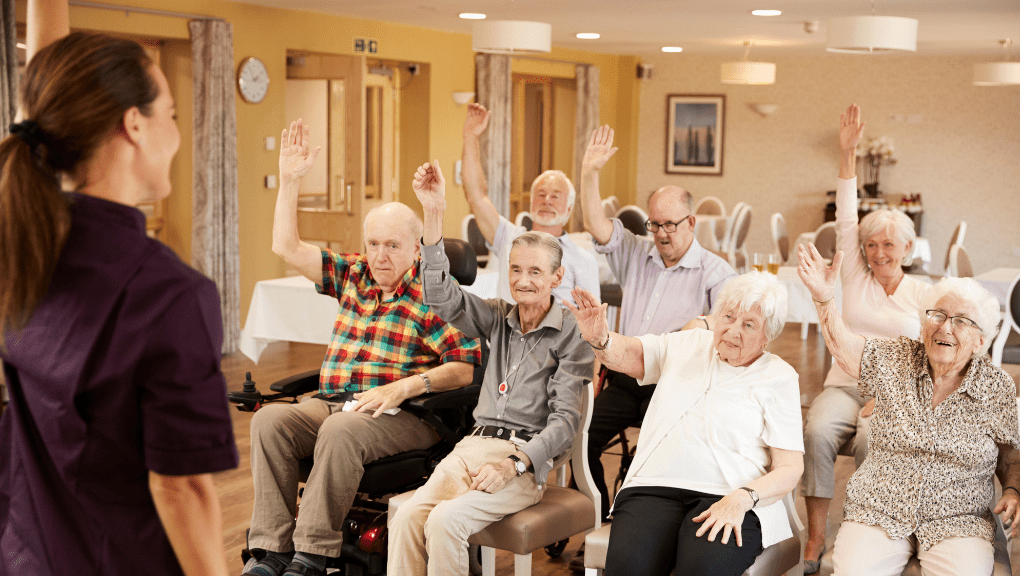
249	399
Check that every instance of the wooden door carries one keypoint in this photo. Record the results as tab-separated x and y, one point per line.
382	156
339	223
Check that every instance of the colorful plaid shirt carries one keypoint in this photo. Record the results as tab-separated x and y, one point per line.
376	342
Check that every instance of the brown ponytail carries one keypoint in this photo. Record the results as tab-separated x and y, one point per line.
75	94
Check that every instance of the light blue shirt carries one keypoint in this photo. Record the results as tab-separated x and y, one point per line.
657	299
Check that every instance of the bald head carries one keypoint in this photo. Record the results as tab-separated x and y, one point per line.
395	215
671	198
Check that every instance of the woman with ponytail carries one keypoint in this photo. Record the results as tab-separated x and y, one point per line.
110	344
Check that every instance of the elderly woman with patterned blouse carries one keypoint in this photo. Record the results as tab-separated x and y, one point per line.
879	301
721	442
945	420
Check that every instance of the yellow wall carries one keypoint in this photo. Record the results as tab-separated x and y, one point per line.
268	33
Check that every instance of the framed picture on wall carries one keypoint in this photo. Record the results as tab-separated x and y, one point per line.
694	133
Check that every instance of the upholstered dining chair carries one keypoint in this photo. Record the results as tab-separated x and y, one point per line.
1006	347
470	233
959	262
726	233
710	205
633	219
523	219
825	240
735	252
610	206
956	240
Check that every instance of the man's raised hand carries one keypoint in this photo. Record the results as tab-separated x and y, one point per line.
430	186
295	157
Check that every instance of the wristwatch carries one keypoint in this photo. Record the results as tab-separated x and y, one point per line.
519	466
754	495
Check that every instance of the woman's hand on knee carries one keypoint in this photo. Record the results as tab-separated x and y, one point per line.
726	515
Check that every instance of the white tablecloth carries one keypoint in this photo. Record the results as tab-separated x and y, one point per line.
289	309
921	251
997	281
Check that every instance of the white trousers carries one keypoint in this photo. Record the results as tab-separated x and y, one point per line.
863	550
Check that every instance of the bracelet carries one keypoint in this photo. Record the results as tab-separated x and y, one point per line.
823	303
1011	488
609	340
428	383
705	320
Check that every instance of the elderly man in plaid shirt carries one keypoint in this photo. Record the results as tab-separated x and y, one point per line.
387	347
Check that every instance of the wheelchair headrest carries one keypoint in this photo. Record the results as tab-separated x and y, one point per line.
463	262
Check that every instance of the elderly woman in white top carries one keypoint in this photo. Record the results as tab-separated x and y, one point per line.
879	300
945	420
721	438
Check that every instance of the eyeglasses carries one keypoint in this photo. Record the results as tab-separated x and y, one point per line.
939	318
669	227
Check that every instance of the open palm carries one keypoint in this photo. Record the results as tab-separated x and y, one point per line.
819	278
295	157
590	315
430	186
851	129
600	149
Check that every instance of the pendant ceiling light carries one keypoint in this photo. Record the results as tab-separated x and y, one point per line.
511	37
869	34
745	72
998	73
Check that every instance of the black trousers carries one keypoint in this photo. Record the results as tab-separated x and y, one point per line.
653	534
620	405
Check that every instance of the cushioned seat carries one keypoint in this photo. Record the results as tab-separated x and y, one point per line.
562	513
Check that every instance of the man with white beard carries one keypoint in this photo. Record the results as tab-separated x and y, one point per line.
552	200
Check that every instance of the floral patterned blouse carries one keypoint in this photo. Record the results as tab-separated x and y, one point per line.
929	470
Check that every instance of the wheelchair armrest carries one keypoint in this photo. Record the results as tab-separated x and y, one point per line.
297	384
466	396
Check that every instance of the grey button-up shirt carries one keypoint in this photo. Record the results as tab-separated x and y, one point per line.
657	299
544	369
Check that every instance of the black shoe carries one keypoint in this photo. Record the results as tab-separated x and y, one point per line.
577	562
299	569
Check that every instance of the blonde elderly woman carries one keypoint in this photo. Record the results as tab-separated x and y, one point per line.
721	438
945	420
879	301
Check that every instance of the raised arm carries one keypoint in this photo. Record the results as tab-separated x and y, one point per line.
845	346
47	22
476	189
600	150
189	509
615	351
295	161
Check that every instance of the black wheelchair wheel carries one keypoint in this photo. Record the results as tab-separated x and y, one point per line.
555	550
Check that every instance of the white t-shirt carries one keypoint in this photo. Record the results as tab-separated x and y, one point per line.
867	310
729	415
579	266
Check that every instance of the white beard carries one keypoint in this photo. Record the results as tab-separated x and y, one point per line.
557	221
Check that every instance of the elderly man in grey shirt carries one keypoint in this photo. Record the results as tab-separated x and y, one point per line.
528	410
667	283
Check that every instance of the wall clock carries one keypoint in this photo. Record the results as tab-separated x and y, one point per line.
252	80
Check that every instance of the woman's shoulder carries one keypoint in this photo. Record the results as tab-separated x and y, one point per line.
164	277
990	381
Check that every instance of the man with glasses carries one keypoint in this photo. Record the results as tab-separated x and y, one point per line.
666	283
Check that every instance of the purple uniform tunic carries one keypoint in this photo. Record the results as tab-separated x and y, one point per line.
116	374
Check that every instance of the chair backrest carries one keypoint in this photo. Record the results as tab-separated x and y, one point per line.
710	205
610	206
470	233
727	233
780	239
463	262
1010	321
579	466
741	226
523	219
633	219
957	239
959	262
825	240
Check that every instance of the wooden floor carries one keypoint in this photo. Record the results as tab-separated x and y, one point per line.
284	359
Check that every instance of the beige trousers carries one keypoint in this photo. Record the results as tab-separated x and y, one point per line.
436	522
342	443
863	550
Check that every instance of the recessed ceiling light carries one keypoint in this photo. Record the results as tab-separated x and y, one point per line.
672	49
472	16
588	35
766	12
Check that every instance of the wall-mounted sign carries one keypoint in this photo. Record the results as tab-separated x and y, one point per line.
366	45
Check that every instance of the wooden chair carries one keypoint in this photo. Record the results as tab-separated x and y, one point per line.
957	239
710	205
633	218
725	233
562	512
825	240
1006	347
780	239
610	206
735	253
523	219
959	262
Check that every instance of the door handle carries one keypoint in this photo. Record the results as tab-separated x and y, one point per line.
349	204
338	186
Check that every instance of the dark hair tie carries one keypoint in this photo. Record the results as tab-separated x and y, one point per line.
29	132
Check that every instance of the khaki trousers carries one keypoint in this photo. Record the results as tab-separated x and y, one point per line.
863	550
436	522
342	443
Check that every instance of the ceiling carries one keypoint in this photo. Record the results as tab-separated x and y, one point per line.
640	27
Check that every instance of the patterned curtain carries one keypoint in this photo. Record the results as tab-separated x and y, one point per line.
585	122
494	88
214	235
8	67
